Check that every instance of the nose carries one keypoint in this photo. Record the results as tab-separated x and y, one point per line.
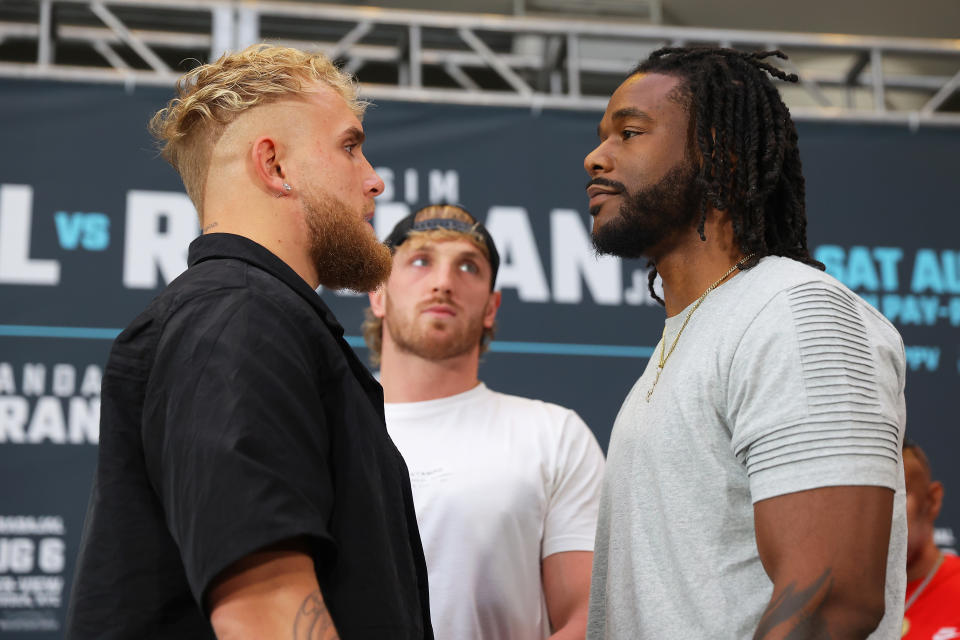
597	161
444	278
372	183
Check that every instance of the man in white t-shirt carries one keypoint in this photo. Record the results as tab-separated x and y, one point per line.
754	485
505	488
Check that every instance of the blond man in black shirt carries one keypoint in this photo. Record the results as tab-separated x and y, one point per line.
246	487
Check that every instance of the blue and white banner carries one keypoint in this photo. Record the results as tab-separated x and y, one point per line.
93	223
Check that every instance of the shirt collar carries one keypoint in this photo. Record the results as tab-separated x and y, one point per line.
211	246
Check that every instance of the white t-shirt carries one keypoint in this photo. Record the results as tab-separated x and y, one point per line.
782	381
499	483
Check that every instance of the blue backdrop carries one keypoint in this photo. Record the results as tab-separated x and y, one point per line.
93	223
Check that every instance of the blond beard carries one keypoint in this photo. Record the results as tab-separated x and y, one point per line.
411	338
344	251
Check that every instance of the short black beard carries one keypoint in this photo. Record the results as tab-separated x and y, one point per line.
652	215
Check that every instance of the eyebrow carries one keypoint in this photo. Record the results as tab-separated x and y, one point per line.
472	253
631	112
428	247
356	134
627	112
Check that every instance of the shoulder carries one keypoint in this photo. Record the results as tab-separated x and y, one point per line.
239	297
566	449
780	288
775	279
951	566
224	307
199	292
527	406
946	585
811	351
539	415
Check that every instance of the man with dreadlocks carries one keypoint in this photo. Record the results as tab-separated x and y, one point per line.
754	484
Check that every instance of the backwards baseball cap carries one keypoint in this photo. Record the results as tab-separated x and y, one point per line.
427	222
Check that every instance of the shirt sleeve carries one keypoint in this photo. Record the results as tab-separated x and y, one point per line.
815	394
571	520
234	433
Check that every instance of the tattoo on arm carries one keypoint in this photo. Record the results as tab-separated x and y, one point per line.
800	610
313	621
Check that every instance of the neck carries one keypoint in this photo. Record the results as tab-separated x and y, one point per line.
924	562
274	223
409	378
691	265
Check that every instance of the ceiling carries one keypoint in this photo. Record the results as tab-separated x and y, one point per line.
919	18
879	79
923	18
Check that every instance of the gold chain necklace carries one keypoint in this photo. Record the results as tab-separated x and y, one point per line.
663	341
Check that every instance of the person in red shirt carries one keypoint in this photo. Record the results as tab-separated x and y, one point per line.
932	607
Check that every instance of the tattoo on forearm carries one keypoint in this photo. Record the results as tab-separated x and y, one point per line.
800	610
313	621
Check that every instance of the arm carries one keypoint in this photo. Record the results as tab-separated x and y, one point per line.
270	594
566	587
816	409
826	552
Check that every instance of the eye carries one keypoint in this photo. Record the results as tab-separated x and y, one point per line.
626	134
469	267
350	147
419	261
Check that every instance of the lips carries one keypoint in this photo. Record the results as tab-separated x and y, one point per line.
440	310
599	190
599	194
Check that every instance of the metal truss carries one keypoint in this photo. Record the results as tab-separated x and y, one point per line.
478	59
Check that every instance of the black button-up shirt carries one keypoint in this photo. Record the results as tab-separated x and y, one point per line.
233	416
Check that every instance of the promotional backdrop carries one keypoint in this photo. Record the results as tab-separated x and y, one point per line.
93	223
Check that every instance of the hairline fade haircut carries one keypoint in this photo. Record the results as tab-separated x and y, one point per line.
745	146
213	95
372	325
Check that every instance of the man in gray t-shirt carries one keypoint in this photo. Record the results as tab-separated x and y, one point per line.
754	483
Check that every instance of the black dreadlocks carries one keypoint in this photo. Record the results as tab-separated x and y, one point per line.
749	160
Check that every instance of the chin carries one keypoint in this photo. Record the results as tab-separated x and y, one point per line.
599	213
619	243
609	220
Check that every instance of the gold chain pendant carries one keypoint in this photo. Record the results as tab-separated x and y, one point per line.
655	381
663	341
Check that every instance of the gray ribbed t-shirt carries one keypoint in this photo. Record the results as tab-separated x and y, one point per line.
782	381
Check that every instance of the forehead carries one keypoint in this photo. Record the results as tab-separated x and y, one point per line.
329	109
653	96
440	242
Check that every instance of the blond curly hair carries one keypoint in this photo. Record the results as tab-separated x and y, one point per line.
213	95
373	326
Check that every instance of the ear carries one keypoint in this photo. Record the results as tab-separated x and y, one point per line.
490	313
935	496
265	158
377	302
